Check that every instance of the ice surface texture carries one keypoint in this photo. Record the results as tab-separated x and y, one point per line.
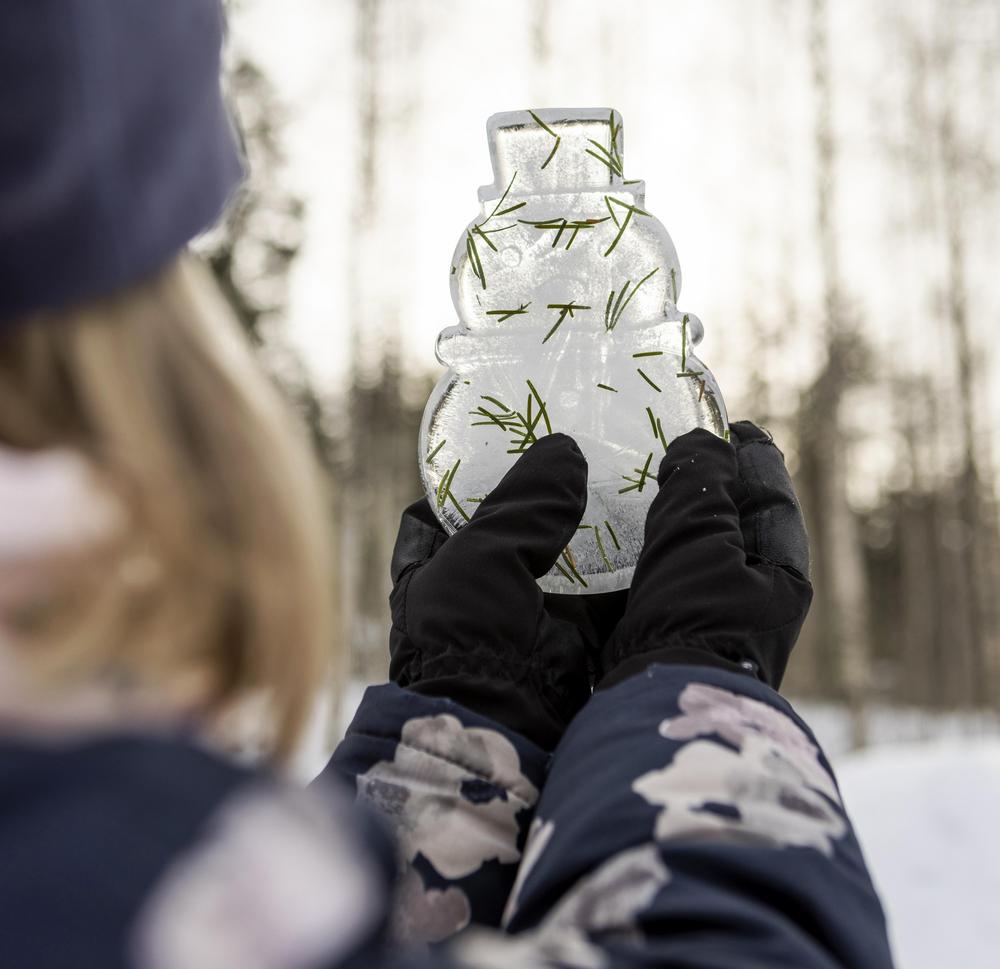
566	288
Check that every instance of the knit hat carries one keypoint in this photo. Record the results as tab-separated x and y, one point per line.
116	148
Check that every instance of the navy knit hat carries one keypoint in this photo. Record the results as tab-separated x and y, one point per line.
115	145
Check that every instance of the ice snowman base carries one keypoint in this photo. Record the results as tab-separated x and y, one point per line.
566	288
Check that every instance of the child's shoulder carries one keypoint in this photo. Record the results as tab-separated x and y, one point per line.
115	803
163	771
127	842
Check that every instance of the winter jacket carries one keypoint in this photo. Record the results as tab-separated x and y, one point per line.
688	818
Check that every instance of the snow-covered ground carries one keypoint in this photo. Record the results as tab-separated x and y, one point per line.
925	800
927	815
894	725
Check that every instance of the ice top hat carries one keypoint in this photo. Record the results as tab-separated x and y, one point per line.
566	289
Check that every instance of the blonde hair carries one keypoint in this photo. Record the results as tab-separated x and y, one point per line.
221	585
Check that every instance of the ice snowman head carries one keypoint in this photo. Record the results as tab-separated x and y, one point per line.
566	288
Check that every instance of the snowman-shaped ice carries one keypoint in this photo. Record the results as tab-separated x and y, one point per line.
566	288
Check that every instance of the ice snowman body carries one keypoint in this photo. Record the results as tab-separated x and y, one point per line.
566	288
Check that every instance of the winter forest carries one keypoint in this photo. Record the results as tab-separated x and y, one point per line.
829	172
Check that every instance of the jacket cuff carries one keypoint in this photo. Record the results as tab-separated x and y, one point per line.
385	710
673	656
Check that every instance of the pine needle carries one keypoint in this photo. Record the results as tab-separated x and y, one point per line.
648	381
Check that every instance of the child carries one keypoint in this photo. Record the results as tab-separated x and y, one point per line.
163	558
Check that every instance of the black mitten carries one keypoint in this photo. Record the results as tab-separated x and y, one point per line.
722	577
468	618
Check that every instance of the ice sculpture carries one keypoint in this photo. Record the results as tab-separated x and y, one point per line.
566	288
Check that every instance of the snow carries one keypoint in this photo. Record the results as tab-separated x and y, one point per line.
926	815
325	730
925	800
888	724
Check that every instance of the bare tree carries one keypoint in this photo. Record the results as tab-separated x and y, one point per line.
378	465
955	159
946	153
541	47
362	634
840	617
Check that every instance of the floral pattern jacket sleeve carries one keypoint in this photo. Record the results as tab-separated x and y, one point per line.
458	792
688	818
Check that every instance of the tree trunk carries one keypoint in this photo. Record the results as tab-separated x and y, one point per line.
840	554
357	509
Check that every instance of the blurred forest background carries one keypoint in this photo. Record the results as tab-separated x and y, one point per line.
830	174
